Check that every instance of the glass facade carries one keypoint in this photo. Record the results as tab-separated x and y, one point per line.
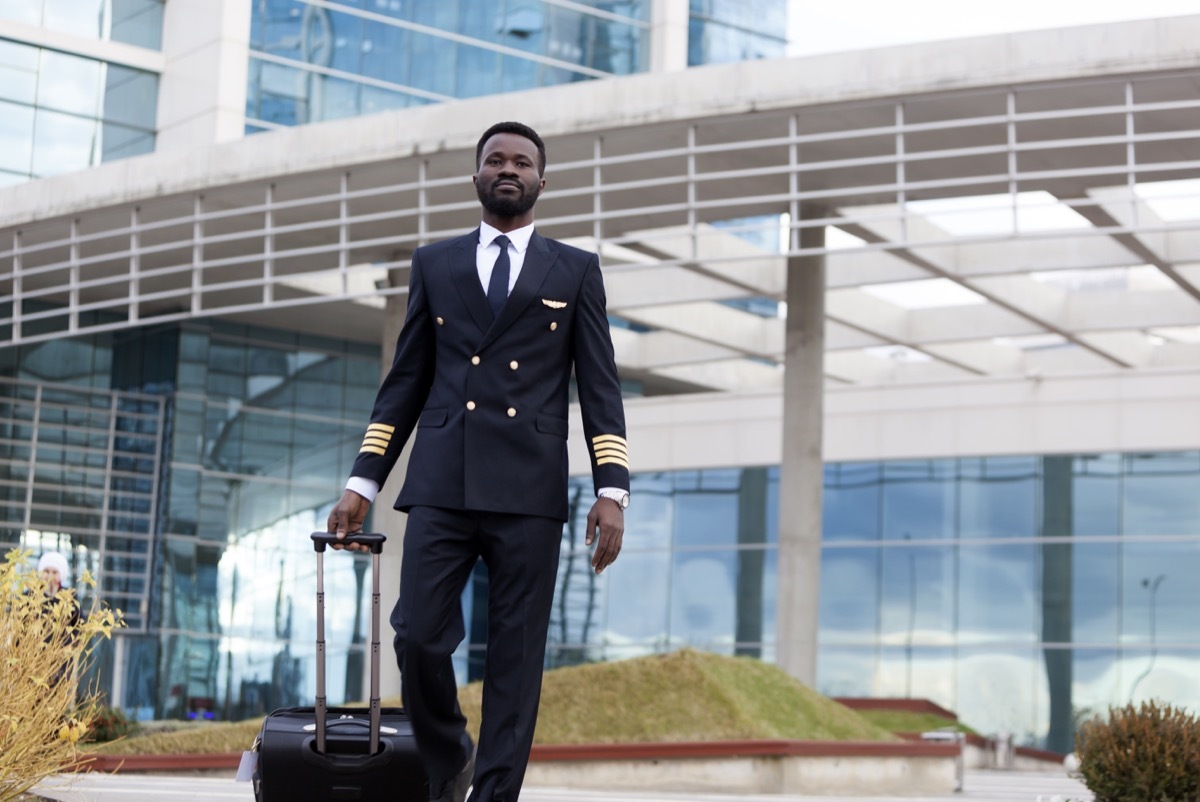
60	113
1020	591
254	434
723	31
133	22
322	62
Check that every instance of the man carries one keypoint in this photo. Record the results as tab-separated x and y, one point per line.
496	320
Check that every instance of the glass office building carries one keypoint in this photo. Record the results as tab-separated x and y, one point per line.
313	62
170	420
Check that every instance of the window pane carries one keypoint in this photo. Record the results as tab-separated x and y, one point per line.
121	142
998	497
1160	593
18	72
69	83
1162	494
851	504
26	11
138	22
16	138
130	97
79	17
849	595
63	143
998	593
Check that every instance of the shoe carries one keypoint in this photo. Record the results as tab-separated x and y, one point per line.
456	788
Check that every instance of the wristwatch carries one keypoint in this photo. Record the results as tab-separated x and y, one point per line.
619	496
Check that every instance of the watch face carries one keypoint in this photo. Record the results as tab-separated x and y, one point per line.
624	500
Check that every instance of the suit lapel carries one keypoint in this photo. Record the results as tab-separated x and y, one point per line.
466	280
538	261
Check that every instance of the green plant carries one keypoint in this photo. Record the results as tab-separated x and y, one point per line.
1150	753
44	643
109	724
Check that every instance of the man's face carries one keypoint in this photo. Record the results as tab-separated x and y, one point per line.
508	183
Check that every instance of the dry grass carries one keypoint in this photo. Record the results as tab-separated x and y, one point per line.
43	714
682	696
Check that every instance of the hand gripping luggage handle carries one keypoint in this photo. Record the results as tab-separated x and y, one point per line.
375	542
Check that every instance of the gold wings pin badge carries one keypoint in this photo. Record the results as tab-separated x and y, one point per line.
554	304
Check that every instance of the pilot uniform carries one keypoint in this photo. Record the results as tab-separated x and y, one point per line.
487	478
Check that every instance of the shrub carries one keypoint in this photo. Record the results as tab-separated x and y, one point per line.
1146	754
43	713
109	724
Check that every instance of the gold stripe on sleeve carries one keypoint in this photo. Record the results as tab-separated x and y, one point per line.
615	460
383	427
373	450
608	438
371	440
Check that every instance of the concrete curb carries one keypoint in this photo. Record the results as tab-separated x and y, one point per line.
760	766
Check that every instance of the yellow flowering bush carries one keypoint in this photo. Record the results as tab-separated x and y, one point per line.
45	642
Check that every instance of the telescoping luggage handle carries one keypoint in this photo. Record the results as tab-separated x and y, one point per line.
375	542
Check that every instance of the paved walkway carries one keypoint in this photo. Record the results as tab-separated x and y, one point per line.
981	786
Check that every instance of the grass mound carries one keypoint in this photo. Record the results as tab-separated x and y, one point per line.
682	696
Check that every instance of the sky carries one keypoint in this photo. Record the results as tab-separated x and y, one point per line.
824	26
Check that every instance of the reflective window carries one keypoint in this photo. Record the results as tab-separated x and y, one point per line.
133	22
311	63
60	113
721	31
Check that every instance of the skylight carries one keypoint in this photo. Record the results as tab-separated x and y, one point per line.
924	294
1032	342
1173	201
1142	278
897	353
981	215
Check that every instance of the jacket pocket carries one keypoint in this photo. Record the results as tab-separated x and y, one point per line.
551	424
432	417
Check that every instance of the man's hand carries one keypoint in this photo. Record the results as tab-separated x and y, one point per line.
606	516
347	517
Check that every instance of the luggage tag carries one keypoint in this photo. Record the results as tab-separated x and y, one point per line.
247	767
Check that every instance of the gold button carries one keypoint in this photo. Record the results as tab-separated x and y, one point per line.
513	364
553	326
512	412
470	405
441	322
475	360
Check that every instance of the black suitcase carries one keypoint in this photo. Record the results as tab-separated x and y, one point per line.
338	753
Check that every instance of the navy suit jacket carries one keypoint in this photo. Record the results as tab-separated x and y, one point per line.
488	398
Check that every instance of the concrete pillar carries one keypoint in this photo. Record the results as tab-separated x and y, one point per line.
668	35
386	519
801	477
202	92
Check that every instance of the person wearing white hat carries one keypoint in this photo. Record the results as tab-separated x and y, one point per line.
54	570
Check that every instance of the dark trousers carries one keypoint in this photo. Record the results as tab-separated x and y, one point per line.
440	548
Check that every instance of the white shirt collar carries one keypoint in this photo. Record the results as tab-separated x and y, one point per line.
518	237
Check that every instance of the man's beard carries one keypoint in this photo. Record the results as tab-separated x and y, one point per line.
505	205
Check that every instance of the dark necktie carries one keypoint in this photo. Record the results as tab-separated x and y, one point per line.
497	292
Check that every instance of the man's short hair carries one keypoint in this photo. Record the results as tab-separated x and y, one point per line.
520	129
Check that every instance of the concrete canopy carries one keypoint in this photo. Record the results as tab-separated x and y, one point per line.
1026	204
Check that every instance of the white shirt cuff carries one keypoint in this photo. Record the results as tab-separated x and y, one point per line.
367	488
614	493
